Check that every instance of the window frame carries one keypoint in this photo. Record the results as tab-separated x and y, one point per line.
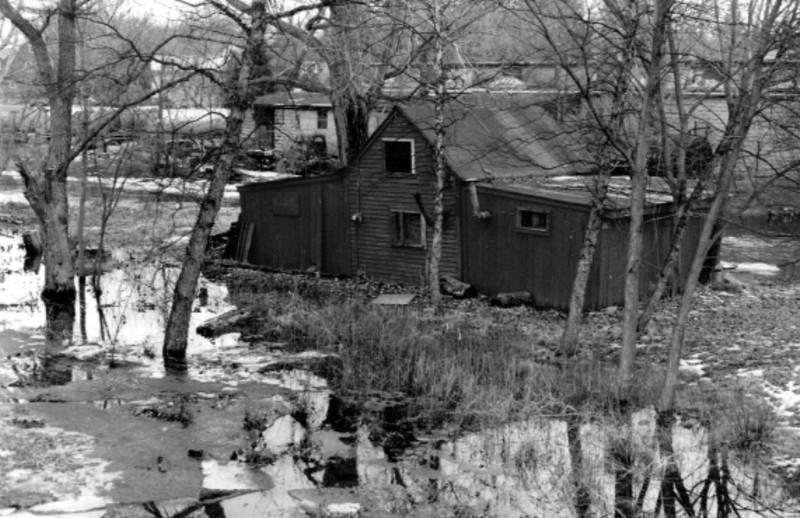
322	119
402	241
412	151
540	231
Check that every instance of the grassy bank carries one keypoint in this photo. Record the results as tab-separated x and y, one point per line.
476	366
473	366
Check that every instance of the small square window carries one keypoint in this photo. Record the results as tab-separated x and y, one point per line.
408	229
322	119
535	221
398	156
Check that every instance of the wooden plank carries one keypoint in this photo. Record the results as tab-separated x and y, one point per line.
394	299
245	242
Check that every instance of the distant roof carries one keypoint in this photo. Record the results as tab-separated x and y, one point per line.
492	140
294	98
579	190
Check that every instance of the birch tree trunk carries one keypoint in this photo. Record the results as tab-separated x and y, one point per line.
440	168
571	337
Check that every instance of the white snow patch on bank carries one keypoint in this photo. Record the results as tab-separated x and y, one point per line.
232	476
756	268
787	400
744	242
693	366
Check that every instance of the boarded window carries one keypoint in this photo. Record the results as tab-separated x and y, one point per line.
408	229
534	221
398	156
322	119
286	205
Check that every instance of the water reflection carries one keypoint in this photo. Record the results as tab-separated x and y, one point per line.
123	311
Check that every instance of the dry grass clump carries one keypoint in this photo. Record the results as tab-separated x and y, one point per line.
458	368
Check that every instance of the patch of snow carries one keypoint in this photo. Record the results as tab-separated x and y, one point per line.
743	242
755	268
787	399
694	366
12	197
99	513
232	476
300	380
86	502
343	509
83	352
754	373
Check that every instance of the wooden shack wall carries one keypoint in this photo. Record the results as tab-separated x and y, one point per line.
296	224
374	194
607	284
500	258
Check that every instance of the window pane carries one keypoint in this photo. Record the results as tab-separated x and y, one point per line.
412	230
533	220
398	156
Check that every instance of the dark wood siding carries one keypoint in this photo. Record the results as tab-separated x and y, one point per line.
374	194
295	225
498	257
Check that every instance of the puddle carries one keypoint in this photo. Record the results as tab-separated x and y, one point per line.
123	321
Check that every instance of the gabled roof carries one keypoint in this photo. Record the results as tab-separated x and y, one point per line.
486	141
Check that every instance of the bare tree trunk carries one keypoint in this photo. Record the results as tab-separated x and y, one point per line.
47	192
667	397
667	271
239	97
638	176
435	253
351	115
177	330
571	336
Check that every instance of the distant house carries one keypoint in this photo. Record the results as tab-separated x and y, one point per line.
282	118
516	206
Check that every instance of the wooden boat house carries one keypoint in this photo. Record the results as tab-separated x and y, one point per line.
516	206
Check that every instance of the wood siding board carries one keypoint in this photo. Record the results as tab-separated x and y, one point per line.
335	238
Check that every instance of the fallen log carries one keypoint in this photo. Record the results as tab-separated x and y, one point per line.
227	322
512	299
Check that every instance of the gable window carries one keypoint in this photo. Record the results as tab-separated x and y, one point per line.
535	221
322	119
398	156
408	229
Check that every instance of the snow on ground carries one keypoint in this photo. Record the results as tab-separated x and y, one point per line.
744	242
755	268
786	400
